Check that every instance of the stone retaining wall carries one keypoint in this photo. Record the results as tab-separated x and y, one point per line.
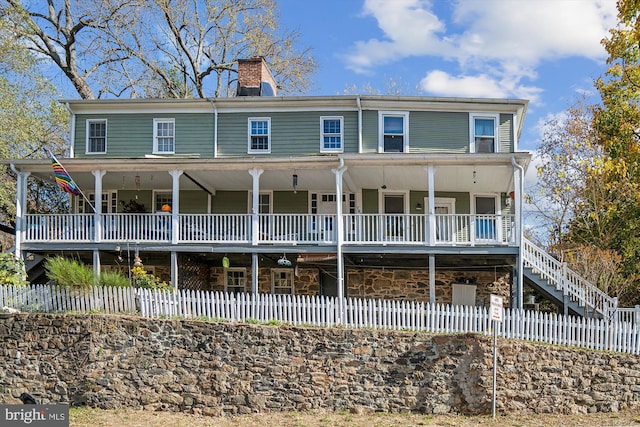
222	368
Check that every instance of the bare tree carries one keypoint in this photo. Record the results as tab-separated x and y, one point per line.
170	48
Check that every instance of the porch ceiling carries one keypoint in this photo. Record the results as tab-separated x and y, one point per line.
493	173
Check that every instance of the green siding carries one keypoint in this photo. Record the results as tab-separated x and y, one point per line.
436	132
292	133
193	201
142	197
131	135
506	133
369	201
288	202
228	202
463	201
369	131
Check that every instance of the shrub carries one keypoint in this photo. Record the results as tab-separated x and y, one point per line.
69	273
141	279
12	270
114	278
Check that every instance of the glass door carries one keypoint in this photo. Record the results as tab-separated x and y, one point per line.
485	222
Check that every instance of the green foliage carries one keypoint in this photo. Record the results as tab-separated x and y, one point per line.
69	273
12	270
114	279
141	279
613	223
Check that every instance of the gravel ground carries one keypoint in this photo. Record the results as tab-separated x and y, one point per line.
81	417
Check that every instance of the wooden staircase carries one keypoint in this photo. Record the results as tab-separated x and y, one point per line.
555	281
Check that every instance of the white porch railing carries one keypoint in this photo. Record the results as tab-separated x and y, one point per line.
274	228
566	280
450	229
597	334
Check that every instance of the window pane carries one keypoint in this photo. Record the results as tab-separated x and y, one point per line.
485	127
97	137
393	144
393	125
332	126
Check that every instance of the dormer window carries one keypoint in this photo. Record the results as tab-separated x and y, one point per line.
393	132
484	133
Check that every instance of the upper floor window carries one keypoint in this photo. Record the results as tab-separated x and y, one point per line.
331	134
484	135
259	135
394	132
164	136
96	136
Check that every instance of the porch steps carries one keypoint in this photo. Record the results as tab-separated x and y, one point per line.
555	281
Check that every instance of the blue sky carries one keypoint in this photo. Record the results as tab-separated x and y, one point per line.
545	51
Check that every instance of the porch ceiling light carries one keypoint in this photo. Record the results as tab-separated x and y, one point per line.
137	181
295	183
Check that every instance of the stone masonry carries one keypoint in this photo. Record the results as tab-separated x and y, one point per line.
225	369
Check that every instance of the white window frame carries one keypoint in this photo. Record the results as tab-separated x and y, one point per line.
88	137
498	213
323	148
156	149
157	193
261	193
289	278
109	198
405	129
226	278
250	135
472	130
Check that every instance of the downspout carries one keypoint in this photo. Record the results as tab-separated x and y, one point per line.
520	233
72	130
215	129
359	104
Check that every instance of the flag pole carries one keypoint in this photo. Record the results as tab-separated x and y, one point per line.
66	182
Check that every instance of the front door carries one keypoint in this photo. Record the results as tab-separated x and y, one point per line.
485	221
394	215
444	208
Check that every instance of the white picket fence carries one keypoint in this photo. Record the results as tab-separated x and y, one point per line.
597	334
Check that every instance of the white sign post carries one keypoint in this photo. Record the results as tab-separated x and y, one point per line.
496	310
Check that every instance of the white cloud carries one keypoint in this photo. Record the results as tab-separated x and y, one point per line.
496	43
441	83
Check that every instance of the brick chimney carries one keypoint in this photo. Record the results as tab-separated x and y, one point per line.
255	78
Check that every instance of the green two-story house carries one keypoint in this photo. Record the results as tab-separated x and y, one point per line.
372	196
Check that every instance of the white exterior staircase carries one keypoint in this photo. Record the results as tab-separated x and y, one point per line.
562	285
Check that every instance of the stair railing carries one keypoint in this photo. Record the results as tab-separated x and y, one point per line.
572	285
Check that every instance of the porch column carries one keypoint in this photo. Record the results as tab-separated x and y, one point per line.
432	278
96	262
174	268
175	223
432	204
254	273
97	213
21	202
175	208
518	181
255	225
255	200
339	239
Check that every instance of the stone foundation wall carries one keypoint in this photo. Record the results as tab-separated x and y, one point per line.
397	284
222	368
